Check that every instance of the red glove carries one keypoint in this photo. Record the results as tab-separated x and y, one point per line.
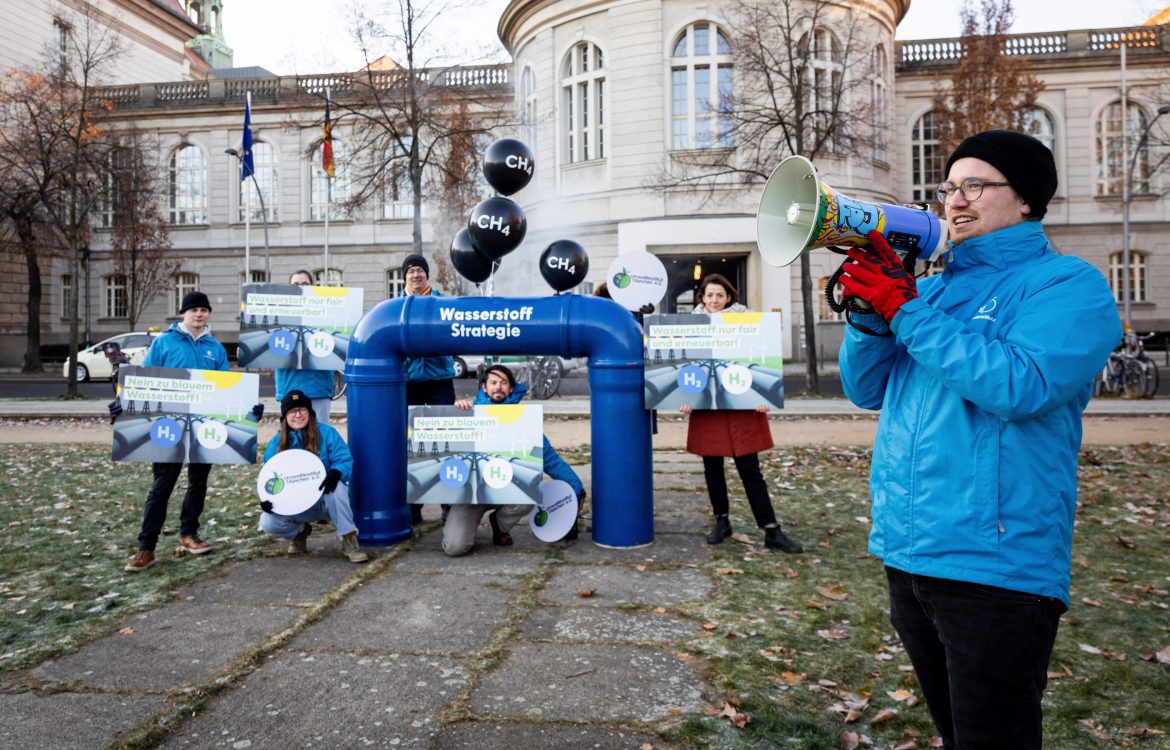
878	277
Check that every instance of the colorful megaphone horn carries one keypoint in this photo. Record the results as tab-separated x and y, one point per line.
798	213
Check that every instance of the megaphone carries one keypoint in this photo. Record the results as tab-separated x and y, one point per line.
798	212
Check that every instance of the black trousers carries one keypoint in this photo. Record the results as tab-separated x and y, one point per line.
430	392
981	656
753	484
155	514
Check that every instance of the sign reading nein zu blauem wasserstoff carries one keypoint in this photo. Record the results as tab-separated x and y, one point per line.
714	361
492	454
285	326
173	415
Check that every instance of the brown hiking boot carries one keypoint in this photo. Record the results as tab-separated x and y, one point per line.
299	544
194	545
142	560
350	548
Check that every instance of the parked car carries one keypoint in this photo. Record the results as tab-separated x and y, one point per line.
94	362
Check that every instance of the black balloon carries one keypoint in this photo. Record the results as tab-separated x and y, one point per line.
508	165
467	260
497	227
563	264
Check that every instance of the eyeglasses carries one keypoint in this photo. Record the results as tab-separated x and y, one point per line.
971	189
297	411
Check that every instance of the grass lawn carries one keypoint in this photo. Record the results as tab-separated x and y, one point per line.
801	643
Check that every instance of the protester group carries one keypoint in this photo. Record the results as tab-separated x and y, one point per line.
980	372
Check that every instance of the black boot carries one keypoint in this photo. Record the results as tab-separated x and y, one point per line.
416	515
721	531
774	538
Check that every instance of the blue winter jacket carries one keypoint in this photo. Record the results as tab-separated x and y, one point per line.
429	368
554	465
333	451
981	389
176	348
314	383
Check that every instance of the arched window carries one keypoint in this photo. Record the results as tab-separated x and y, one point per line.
268	176
394	282
185	283
528	104
333	280
187	186
255	276
1137	276
880	103
1115	144
583	98
325	191
701	86
926	159
1039	123
824	72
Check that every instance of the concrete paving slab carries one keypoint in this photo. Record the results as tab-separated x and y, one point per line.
682	522
294	580
667	548
614	586
522	540
70	721
588	683
682	499
679	482
174	646
329	700
416	613
515	563
606	626
496	735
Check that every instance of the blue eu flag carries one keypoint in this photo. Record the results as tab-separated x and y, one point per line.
247	166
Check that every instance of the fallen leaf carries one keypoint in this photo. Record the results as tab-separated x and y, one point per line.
849	741
1127	543
1095	730
789	573
836	593
1163	656
640	568
1089	649
586	593
659	610
674	711
710	625
901	696
883	716
935	741
126	631
744	539
645	746
729	571
1141	732
1091	602
792	678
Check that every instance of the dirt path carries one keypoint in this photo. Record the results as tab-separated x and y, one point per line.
672	433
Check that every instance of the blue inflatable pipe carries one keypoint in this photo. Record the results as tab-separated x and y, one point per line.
567	325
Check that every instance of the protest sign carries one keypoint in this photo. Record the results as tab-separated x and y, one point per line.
490	455
714	361
179	415
286	326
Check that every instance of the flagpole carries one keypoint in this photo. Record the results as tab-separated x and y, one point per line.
247	216
328	205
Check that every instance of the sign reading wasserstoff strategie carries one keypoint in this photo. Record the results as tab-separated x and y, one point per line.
285	326
714	361
492	454
175	415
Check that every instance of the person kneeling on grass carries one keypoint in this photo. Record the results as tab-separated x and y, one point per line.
299	428
498	386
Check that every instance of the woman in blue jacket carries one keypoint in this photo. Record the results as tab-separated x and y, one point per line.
188	343
299	428
316	384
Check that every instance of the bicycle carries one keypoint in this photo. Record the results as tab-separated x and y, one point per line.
1128	372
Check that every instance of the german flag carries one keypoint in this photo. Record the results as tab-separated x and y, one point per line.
327	143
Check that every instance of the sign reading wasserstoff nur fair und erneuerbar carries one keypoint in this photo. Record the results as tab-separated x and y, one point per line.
492	454
286	326
714	361
178	415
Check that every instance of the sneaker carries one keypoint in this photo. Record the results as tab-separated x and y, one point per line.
350	548
774	538
142	560
194	545
721	531
300	543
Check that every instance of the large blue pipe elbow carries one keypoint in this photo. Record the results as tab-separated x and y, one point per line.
569	326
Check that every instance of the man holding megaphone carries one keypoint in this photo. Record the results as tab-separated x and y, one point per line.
981	374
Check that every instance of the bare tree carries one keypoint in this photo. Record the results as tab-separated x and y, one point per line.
803	78
405	115
988	88
139	239
459	186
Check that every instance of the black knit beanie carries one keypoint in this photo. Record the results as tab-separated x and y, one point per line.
294	399
416	260
194	299
1025	162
